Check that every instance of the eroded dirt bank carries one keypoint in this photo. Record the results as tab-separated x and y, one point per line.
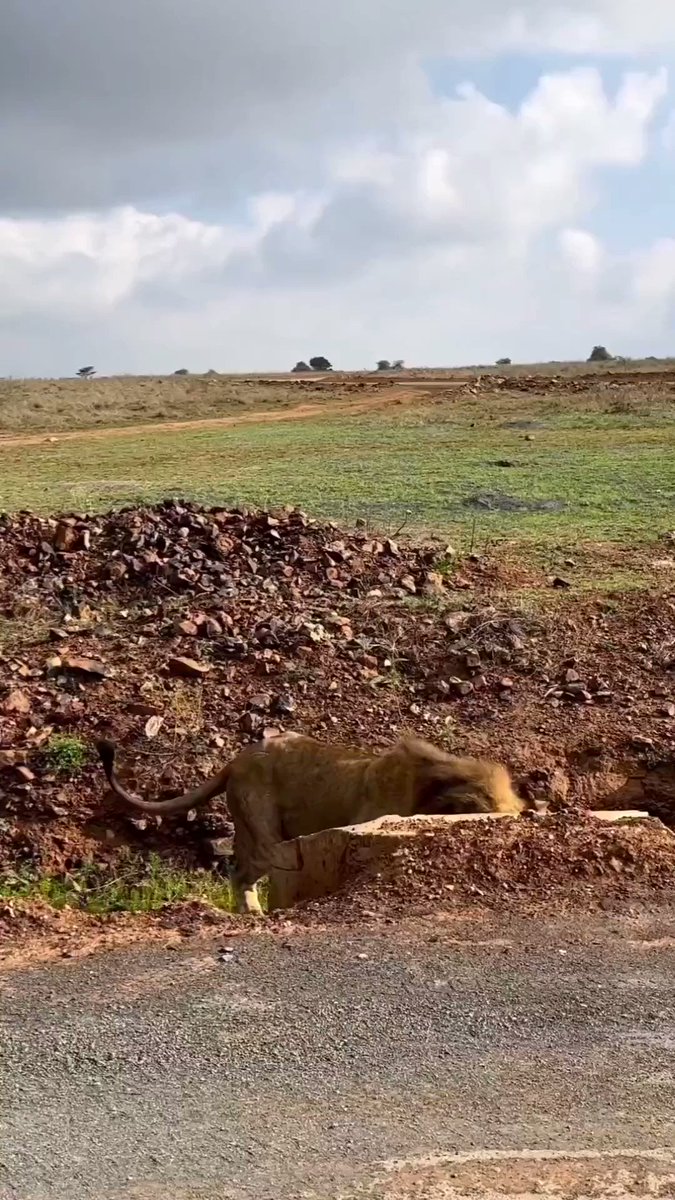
185	632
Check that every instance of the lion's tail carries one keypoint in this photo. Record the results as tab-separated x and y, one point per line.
214	786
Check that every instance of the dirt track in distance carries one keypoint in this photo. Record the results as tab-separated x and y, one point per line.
300	413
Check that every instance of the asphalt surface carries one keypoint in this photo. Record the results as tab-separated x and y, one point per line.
476	1055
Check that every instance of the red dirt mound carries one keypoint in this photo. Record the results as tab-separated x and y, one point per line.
184	632
563	858
32	932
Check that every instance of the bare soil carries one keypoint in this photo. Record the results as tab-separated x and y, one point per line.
559	860
35	932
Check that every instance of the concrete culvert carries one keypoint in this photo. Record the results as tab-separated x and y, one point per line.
423	865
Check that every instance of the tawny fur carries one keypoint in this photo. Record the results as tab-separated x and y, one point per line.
290	785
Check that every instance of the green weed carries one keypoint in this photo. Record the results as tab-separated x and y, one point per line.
137	887
66	754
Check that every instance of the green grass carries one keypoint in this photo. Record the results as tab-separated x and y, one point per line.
66	755
615	474
136	888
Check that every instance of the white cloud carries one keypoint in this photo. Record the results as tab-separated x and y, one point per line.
351	210
654	279
598	27
461	207
127	102
572	112
76	264
583	254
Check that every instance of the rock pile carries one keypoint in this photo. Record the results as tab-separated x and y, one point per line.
181	548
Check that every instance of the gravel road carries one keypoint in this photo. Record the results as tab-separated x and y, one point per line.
477	1055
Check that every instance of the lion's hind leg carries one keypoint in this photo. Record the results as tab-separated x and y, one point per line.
256	832
245	889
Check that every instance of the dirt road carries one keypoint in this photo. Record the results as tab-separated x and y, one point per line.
425	1063
300	412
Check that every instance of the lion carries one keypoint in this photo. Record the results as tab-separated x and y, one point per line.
289	785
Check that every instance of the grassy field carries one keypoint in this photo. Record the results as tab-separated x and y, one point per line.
575	471
48	405
54	405
143	886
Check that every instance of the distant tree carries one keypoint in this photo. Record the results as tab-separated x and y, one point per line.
320	364
85	372
383	364
397	364
503	362
599	354
182	371
301	368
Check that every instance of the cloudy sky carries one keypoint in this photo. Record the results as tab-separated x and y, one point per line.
236	184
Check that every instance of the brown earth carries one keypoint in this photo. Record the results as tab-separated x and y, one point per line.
36	410
290	623
299	412
34	932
